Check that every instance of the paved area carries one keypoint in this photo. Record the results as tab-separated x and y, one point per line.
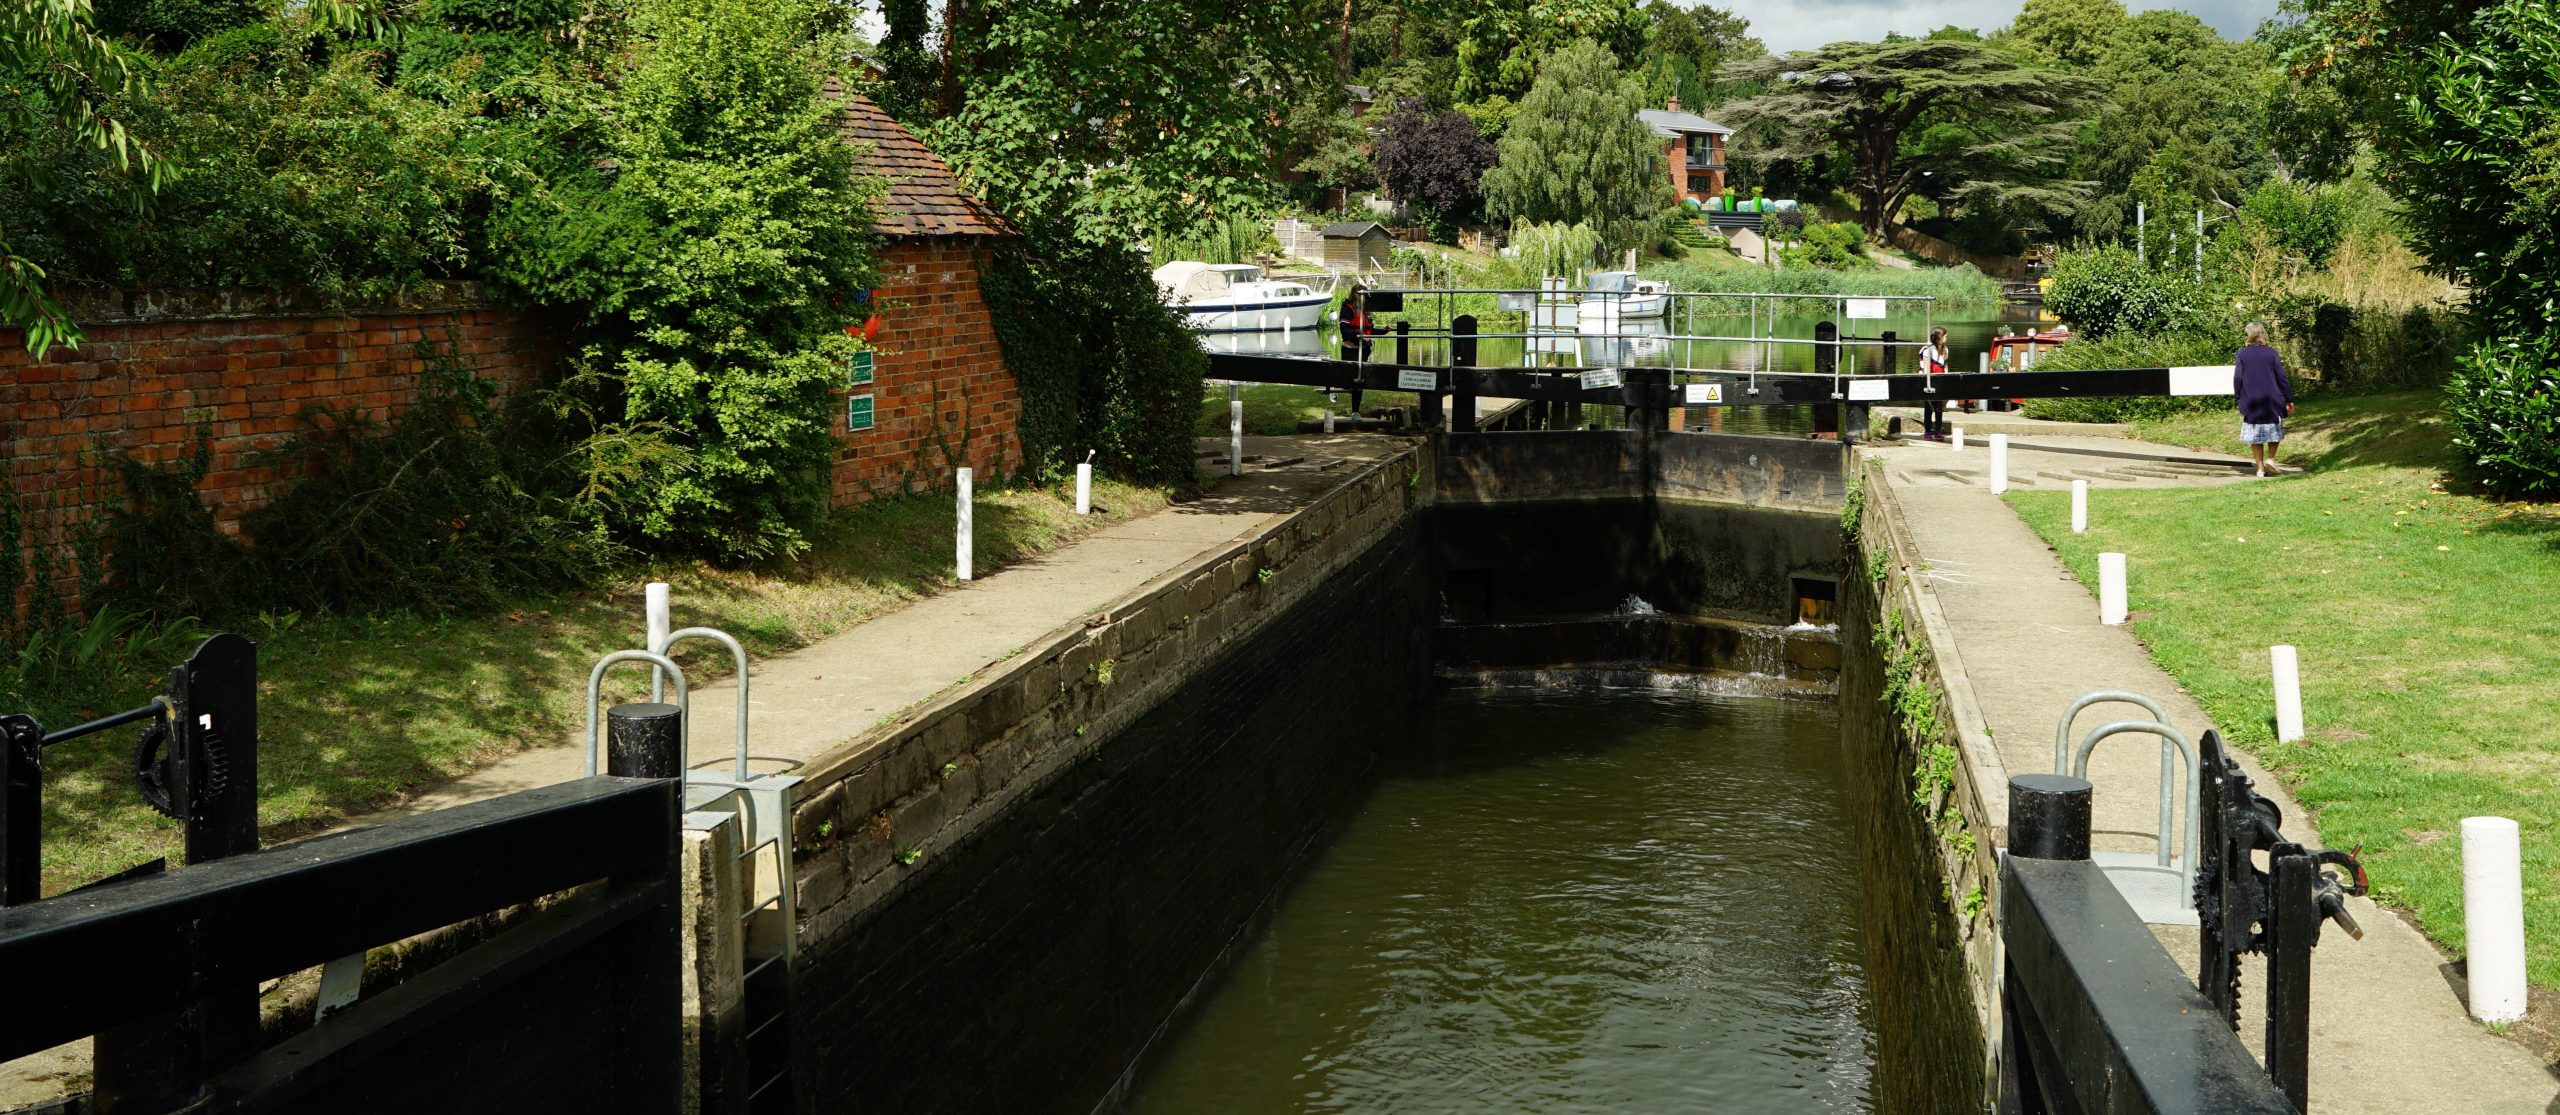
804	703
2389	1032
1983	422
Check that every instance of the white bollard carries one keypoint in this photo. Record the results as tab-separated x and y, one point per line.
2111	595
1235	437
1999	463
1986	361
2079	507
1084	488
2493	917
2288	671
1328	421
1955	438
654	602
966	535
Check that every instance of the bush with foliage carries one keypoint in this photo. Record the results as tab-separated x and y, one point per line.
2309	221
1102	363
1834	244
2102	291
2504	403
702	210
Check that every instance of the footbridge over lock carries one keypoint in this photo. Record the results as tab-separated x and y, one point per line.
1567	352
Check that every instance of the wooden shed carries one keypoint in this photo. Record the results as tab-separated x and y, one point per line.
1356	246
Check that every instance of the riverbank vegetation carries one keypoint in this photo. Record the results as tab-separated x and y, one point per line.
358	709
2426	657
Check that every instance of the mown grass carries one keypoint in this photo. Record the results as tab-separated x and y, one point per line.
2424	617
357	711
1273	408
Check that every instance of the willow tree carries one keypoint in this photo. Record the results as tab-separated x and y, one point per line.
1577	155
1997	133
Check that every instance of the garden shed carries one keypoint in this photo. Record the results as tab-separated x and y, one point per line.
1356	246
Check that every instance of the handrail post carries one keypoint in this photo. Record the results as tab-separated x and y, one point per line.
2049	816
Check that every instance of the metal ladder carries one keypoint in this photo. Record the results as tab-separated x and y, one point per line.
756	808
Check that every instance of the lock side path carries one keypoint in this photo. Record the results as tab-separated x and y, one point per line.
2389	1033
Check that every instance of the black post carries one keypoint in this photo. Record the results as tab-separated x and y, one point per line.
2048	816
644	740
1826	361
21	809
2290	934
1462	354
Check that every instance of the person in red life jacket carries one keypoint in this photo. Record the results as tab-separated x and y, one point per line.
1933	410
1355	335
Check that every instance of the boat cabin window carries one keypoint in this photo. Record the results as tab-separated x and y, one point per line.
1612	282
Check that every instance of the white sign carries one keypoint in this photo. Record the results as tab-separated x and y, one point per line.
2212	379
1603	378
1869	390
1412	380
1865	308
1704	393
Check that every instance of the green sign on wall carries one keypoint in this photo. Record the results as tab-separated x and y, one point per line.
857	369
857	413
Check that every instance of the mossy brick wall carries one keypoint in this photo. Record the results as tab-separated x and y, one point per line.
1005	895
153	378
940	395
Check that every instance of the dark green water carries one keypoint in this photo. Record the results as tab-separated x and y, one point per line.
1599	901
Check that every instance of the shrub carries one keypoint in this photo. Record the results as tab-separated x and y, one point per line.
703	212
2504	404
1834	243
1101	362
2102	291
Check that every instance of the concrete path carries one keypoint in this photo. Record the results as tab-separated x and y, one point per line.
805	703
2389	1033
1984	423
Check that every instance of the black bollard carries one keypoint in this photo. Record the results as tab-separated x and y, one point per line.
644	740
2048	816
1462	354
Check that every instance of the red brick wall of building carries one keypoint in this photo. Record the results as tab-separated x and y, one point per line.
148	383
941	397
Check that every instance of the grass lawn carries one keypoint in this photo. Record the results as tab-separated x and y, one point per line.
2426	620
355	711
1274	408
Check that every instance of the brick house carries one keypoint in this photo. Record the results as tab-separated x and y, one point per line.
937	395
1693	146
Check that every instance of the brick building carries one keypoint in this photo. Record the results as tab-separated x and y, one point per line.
938	396
1693	146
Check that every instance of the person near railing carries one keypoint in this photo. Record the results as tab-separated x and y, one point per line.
1933	410
1356	331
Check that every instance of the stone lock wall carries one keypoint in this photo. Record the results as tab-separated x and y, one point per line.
1005	894
156	374
940	396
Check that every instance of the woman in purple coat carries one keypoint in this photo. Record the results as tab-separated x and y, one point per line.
2265	395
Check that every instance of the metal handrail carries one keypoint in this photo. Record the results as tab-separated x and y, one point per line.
2190	787
2062	729
595	696
735	651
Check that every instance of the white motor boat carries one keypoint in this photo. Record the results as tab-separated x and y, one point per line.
1621	296
1236	298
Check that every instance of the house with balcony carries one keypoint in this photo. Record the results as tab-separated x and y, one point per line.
1693	146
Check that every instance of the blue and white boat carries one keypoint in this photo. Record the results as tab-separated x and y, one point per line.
1236	298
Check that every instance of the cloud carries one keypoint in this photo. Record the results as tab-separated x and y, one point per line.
1806	24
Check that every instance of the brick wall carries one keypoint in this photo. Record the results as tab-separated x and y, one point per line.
941	397
148	378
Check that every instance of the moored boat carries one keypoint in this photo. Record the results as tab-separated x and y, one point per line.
1236	297
1620	295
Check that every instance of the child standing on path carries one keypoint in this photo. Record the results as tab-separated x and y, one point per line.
1933	410
2265	395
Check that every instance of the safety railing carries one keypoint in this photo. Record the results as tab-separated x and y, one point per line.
2160	890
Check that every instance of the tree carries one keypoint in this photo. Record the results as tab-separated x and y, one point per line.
1336	146
1997	130
1502	46
2072	32
1436	161
1685	47
2181	124
906	71
1125	115
63	78
1576	154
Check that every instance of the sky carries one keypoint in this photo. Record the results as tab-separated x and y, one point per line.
1805	24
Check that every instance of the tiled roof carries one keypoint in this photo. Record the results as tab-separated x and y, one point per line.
1352	230
925	198
1668	123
